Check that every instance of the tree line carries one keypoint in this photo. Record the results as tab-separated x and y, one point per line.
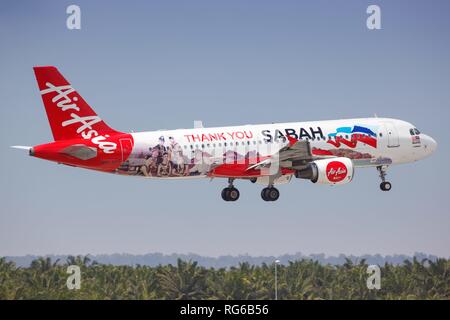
303	279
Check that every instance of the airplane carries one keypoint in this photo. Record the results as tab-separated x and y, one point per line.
324	152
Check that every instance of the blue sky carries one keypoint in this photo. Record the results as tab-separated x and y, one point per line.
162	64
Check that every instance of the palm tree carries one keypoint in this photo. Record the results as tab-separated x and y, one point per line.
303	279
186	281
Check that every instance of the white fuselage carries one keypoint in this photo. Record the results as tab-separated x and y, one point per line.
189	153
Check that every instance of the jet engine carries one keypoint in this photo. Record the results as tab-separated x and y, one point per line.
333	171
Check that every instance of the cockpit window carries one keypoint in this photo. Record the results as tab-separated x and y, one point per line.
411	131
416	131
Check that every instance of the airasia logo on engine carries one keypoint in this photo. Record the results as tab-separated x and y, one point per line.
336	171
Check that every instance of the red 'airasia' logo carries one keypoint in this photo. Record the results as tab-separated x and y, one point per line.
336	171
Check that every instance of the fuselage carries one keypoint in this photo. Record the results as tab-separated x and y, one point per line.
190	153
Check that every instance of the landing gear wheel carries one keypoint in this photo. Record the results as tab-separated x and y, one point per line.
385	186
230	194
273	194
224	194
270	194
233	194
264	195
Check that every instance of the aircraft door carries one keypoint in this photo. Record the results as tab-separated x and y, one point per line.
392	134
126	146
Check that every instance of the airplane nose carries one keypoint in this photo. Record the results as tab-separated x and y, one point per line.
430	144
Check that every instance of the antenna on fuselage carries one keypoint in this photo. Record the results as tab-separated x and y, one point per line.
198	124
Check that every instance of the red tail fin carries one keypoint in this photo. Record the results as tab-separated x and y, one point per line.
69	115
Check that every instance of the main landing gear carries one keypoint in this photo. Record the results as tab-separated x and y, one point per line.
270	194
230	193
384	185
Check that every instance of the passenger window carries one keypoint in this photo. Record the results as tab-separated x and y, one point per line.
381	134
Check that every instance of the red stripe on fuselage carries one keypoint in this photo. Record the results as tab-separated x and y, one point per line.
353	142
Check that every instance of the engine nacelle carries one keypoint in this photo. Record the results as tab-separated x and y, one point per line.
328	171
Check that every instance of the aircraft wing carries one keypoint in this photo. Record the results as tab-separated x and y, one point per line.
296	150
294	156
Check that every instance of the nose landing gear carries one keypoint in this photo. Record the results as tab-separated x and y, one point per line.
384	185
